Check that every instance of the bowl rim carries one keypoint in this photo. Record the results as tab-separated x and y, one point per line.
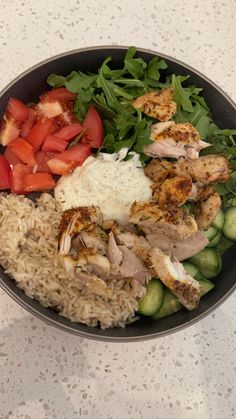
79	333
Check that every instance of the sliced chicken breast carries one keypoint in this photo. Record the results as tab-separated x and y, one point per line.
179	140
132	266
208	205
174	191
173	275
158	104
205	170
181	249
176	224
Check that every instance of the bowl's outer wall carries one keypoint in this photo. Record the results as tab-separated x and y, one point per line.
28	88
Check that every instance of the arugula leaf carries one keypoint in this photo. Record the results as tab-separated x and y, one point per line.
82	102
108	144
134	66
181	96
153	68
56	80
79	81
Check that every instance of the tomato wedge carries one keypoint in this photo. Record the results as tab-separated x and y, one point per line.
70	131
9	130
17	109
61	167
94	128
17	175
49	109
54	144
28	124
5	171
42	158
23	151
78	153
61	94
39	132
11	157
34	182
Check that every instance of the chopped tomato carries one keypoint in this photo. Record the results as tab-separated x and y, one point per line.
17	175
61	94
70	131
33	182
9	130
40	131
5	171
78	153
49	109
42	158
18	110
54	144
28	124
94	127
23	151
11	157
61	167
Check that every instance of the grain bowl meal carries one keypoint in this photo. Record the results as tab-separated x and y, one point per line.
135	194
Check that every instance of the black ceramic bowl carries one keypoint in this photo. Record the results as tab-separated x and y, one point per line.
28	87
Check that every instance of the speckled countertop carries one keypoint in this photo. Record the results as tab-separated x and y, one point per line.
45	373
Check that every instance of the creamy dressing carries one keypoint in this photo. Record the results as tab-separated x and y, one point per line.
113	185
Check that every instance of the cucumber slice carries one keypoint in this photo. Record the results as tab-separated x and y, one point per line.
233	202
210	233
199	276
191	269
208	261
224	245
170	305
205	285
152	301
216	240
229	228
219	220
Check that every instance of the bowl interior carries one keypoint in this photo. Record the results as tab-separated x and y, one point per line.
28	87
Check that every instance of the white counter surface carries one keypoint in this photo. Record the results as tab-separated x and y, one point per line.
45	373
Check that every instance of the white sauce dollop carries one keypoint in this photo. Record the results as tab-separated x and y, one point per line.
112	185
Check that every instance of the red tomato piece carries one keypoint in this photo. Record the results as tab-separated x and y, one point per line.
49	109
70	131
61	167
28	124
58	94
34	182
11	157
42	158
5	171
78	153
9	130
40	131
23	151
94	127
18	173
54	144
18	110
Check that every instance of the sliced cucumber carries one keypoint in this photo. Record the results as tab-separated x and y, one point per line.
170	305
208	261
191	269
210	233
199	276
219	220
224	245
205	285
152	301
229	228
216	240
233	202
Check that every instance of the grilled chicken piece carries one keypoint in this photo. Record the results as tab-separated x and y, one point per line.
181	249
95	238
177	224
172	273
208	205
138	244
179	140
205	170
114	253
174	191
95	284
74	221
158	104
132	266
